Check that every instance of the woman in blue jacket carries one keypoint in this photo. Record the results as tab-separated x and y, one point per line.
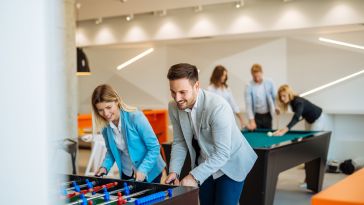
129	138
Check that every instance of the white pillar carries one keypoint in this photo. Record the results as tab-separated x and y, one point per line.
37	66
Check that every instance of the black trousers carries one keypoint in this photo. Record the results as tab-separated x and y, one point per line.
263	121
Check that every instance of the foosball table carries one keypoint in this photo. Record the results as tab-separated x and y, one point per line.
101	191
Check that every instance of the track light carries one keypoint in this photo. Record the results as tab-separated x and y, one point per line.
198	8
129	17
98	21
341	43
160	13
132	60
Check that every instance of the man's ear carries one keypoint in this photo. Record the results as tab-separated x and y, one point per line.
197	85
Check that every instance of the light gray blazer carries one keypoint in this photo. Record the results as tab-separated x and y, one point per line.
219	138
270	94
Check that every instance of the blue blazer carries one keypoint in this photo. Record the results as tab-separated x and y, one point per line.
141	142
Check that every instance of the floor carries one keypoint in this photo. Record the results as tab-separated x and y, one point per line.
288	190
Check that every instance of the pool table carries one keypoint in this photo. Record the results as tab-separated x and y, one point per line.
277	154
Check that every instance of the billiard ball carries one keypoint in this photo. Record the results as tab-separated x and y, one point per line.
270	134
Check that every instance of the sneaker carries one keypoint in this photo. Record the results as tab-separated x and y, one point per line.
303	185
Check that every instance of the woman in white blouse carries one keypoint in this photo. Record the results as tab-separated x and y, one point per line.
219	86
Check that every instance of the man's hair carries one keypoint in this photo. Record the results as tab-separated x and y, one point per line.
256	68
183	70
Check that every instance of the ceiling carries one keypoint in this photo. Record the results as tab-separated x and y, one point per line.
95	9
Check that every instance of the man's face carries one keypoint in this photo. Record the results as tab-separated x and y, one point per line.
183	92
257	77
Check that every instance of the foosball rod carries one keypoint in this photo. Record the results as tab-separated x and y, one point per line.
127	197
81	186
93	190
67	183
101	195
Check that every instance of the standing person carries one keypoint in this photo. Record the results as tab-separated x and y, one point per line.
260	100
129	138
311	113
218	85
204	125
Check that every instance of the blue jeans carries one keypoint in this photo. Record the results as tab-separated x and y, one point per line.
221	191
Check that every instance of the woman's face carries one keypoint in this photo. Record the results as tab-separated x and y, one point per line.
284	97
108	110
223	77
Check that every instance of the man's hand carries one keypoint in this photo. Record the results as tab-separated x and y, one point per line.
172	179
189	180
101	172
280	132
278	111
252	125
139	176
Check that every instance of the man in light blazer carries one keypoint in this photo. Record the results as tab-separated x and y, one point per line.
204	125
260	97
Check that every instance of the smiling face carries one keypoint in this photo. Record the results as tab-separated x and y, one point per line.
109	111
183	92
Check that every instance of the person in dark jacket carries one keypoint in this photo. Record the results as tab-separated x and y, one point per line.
302	109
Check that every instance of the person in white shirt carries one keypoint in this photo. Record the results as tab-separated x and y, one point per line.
219	86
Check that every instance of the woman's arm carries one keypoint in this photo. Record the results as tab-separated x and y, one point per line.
109	158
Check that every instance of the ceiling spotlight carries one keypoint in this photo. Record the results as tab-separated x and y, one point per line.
239	4
198	8
98	21
129	17
123	1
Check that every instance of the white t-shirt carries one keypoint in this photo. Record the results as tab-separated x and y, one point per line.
227	95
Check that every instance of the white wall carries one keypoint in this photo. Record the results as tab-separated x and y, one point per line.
303	64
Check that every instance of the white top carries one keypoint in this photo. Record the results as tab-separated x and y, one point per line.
260	97
121	145
227	95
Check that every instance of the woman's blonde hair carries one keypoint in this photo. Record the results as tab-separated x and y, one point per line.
105	93
285	88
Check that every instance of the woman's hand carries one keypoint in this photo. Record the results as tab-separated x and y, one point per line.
101	172
280	132
139	176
